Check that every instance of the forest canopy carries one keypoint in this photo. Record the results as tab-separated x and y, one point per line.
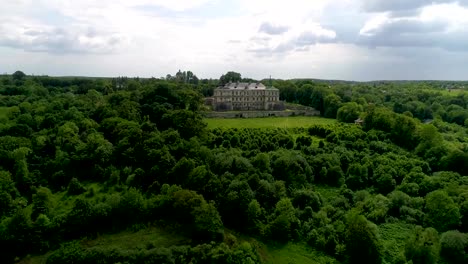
82	157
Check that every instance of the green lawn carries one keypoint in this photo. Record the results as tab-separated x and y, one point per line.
268	122
327	192
295	253
152	236
445	92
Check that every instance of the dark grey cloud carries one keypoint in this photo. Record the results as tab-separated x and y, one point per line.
408	63
59	40
406	32
273	29
408	26
402	5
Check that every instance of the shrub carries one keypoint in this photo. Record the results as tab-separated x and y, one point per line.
423	246
75	187
454	246
441	211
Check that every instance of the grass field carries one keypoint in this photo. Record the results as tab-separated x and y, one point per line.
445	92
268	122
126	240
295	253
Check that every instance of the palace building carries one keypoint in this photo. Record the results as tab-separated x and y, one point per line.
246	96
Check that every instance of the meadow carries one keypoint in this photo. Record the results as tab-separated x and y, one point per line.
269	122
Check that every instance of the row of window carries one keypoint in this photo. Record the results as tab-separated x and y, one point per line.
245	99
247	104
248	93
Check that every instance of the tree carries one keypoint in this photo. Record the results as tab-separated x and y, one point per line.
357	176
423	246
331	104
454	246
75	187
335	176
442	212
41	203
429	140
362	240
306	197
404	132
18	231
317	98
349	112
6	203
254	215
285	221
207	222
18	75
230	77
188	123
291	167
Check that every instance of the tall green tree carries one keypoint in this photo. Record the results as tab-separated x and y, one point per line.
331	104
362	240
442	212
349	112
423	246
230	76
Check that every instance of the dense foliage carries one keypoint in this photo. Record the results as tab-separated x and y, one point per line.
82	157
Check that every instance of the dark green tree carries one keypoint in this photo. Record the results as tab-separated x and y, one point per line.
423	246
349	112
230	77
442	212
331	104
454	246
362	240
18	75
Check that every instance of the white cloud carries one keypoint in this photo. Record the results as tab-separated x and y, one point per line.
374	24
295	38
34	36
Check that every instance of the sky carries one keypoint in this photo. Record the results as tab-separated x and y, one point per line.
358	40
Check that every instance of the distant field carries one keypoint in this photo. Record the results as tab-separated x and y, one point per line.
268	122
453	92
294	253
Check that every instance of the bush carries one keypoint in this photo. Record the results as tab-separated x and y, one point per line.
75	187
68	253
423	246
441	211
362	241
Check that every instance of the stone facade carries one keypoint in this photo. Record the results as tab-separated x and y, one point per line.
246	97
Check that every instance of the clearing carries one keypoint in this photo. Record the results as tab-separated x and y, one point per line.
268	122
125	240
294	253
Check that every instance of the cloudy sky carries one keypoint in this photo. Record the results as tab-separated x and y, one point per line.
330	39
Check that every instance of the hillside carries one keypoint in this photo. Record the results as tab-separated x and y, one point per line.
128	170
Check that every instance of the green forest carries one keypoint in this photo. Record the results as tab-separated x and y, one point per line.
127	170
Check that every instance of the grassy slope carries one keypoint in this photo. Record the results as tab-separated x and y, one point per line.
294	253
269	122
126	240
156	237
393	237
